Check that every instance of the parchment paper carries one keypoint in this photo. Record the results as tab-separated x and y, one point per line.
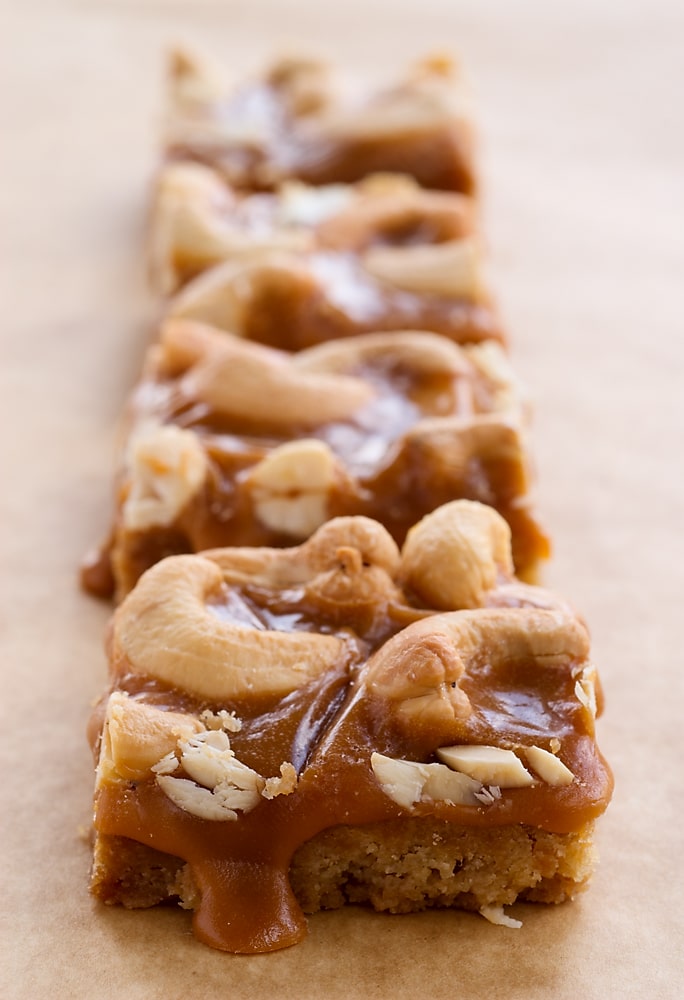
579	107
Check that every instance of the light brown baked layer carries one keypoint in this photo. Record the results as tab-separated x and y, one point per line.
413	864
399	866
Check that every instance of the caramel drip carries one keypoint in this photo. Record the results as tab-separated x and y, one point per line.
96	572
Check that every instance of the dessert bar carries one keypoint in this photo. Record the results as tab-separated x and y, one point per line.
229	442
295	300
304	265
199	220
296	121
294	729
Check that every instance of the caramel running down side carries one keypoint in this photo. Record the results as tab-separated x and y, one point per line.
292	729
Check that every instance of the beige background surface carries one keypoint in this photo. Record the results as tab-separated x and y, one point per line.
583	154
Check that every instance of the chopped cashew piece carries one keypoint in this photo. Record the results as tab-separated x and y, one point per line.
407	781
222	784
496	915
449	269
291	487
402	780
220	804
443	784
487	794
167	765
221	720
209	760
282	784
489	765
585	689
137	736
552	770
167	467
302	205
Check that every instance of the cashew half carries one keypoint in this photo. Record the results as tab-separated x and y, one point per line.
195	226
456	554
417	350
224	295
283	568
135	736
165	630
393	210
291	486
419	670
166	468
249	381
450	269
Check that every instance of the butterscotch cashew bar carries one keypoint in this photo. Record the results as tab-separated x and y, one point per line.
294	300
423	241
292	729
233	443
294	122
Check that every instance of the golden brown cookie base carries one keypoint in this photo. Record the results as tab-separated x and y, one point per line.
134	875
401	866
413	864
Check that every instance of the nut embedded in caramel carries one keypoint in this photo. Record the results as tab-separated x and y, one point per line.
453	561
489	765
447	269
291	487
407	781
167	467
548	766
181	643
